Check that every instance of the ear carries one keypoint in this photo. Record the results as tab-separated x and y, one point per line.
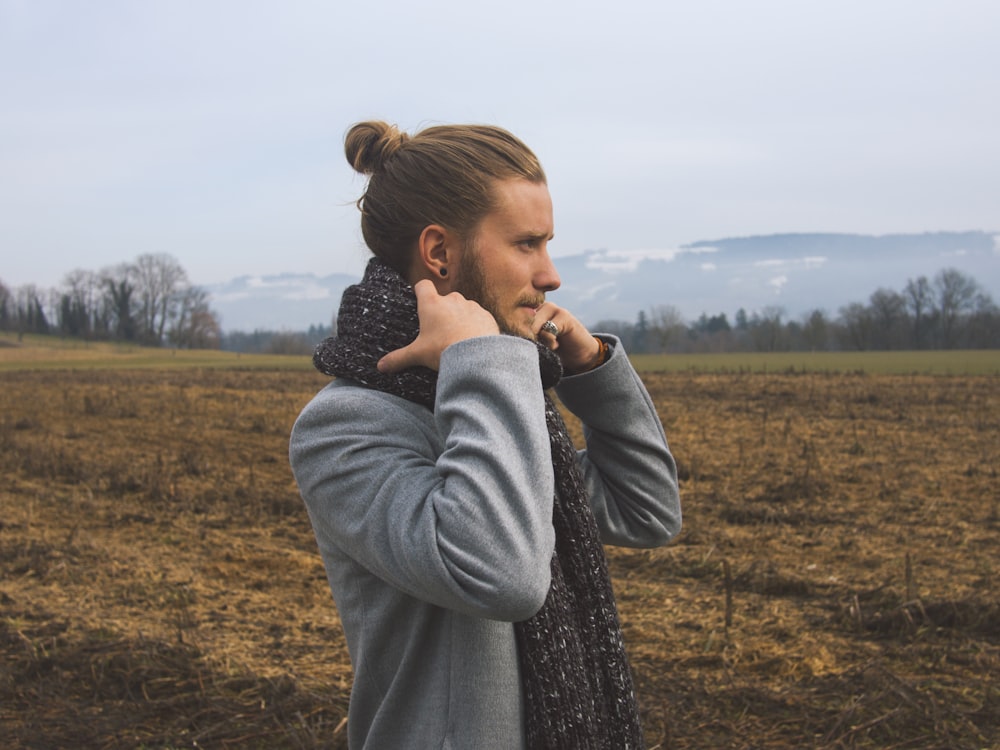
437	256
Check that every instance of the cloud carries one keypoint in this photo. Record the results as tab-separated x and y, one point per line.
607	290
778	282
626	261
809	261
280	287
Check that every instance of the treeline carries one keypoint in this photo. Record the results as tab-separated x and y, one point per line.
952	311
277	342
149	301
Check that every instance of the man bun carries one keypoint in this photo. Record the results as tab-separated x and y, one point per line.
443	175
369	144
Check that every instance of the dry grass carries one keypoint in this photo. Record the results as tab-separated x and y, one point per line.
47	352
835	585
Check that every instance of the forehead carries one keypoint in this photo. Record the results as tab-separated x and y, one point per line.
521	207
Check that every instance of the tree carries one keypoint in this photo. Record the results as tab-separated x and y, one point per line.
640	336
6	303
195	325
317	333
857	322
713	325
815	331
956	296
888	316
289	343
28	314
920	304
765	329
983	325
119	290
159	280
77	304
620	328
710	333
742	320
666	325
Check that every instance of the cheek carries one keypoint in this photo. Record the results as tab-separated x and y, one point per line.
512	293
518	275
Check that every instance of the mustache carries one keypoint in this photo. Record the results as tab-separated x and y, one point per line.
535	302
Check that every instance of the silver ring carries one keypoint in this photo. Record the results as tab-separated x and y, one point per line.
549	327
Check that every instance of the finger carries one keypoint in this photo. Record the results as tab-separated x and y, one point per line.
423	290
550	328
398	360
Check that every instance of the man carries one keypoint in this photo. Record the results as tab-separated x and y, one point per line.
461	531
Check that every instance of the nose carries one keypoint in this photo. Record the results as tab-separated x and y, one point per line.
546	276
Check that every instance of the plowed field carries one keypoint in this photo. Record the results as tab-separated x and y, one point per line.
835	586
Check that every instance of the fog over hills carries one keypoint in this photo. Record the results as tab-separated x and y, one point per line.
798	272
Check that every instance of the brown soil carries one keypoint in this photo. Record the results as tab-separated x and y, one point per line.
835	585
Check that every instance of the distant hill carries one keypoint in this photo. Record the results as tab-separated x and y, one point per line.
798	272
284	302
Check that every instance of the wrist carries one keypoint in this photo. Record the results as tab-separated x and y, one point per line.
601	356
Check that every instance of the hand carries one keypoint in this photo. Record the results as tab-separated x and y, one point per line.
444	320
575	345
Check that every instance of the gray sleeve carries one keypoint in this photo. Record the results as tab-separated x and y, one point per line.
453	508
628	469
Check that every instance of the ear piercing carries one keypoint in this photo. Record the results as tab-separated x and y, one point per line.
443	272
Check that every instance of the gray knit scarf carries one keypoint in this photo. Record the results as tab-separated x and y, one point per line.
574	671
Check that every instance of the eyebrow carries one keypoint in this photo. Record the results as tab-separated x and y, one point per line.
537	236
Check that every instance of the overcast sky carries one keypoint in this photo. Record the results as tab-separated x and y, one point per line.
212	130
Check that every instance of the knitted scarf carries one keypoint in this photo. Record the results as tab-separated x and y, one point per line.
577	683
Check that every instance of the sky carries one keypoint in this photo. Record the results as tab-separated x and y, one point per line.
212	130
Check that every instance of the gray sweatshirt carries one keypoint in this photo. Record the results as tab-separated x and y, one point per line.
436	529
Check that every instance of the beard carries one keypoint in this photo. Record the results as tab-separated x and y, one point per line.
471	283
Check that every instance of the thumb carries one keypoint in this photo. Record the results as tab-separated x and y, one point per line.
399	359
411	355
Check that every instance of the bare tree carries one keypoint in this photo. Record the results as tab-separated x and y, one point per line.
29	312
665	325
766	329
158	279
857	322
983	325
888	315
78	303
920	304
195	326
956	296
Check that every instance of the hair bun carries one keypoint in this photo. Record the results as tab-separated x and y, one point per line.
369	144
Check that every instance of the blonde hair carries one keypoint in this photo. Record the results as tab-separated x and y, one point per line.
442	175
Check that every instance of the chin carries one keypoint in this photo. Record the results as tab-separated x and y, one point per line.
522	331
